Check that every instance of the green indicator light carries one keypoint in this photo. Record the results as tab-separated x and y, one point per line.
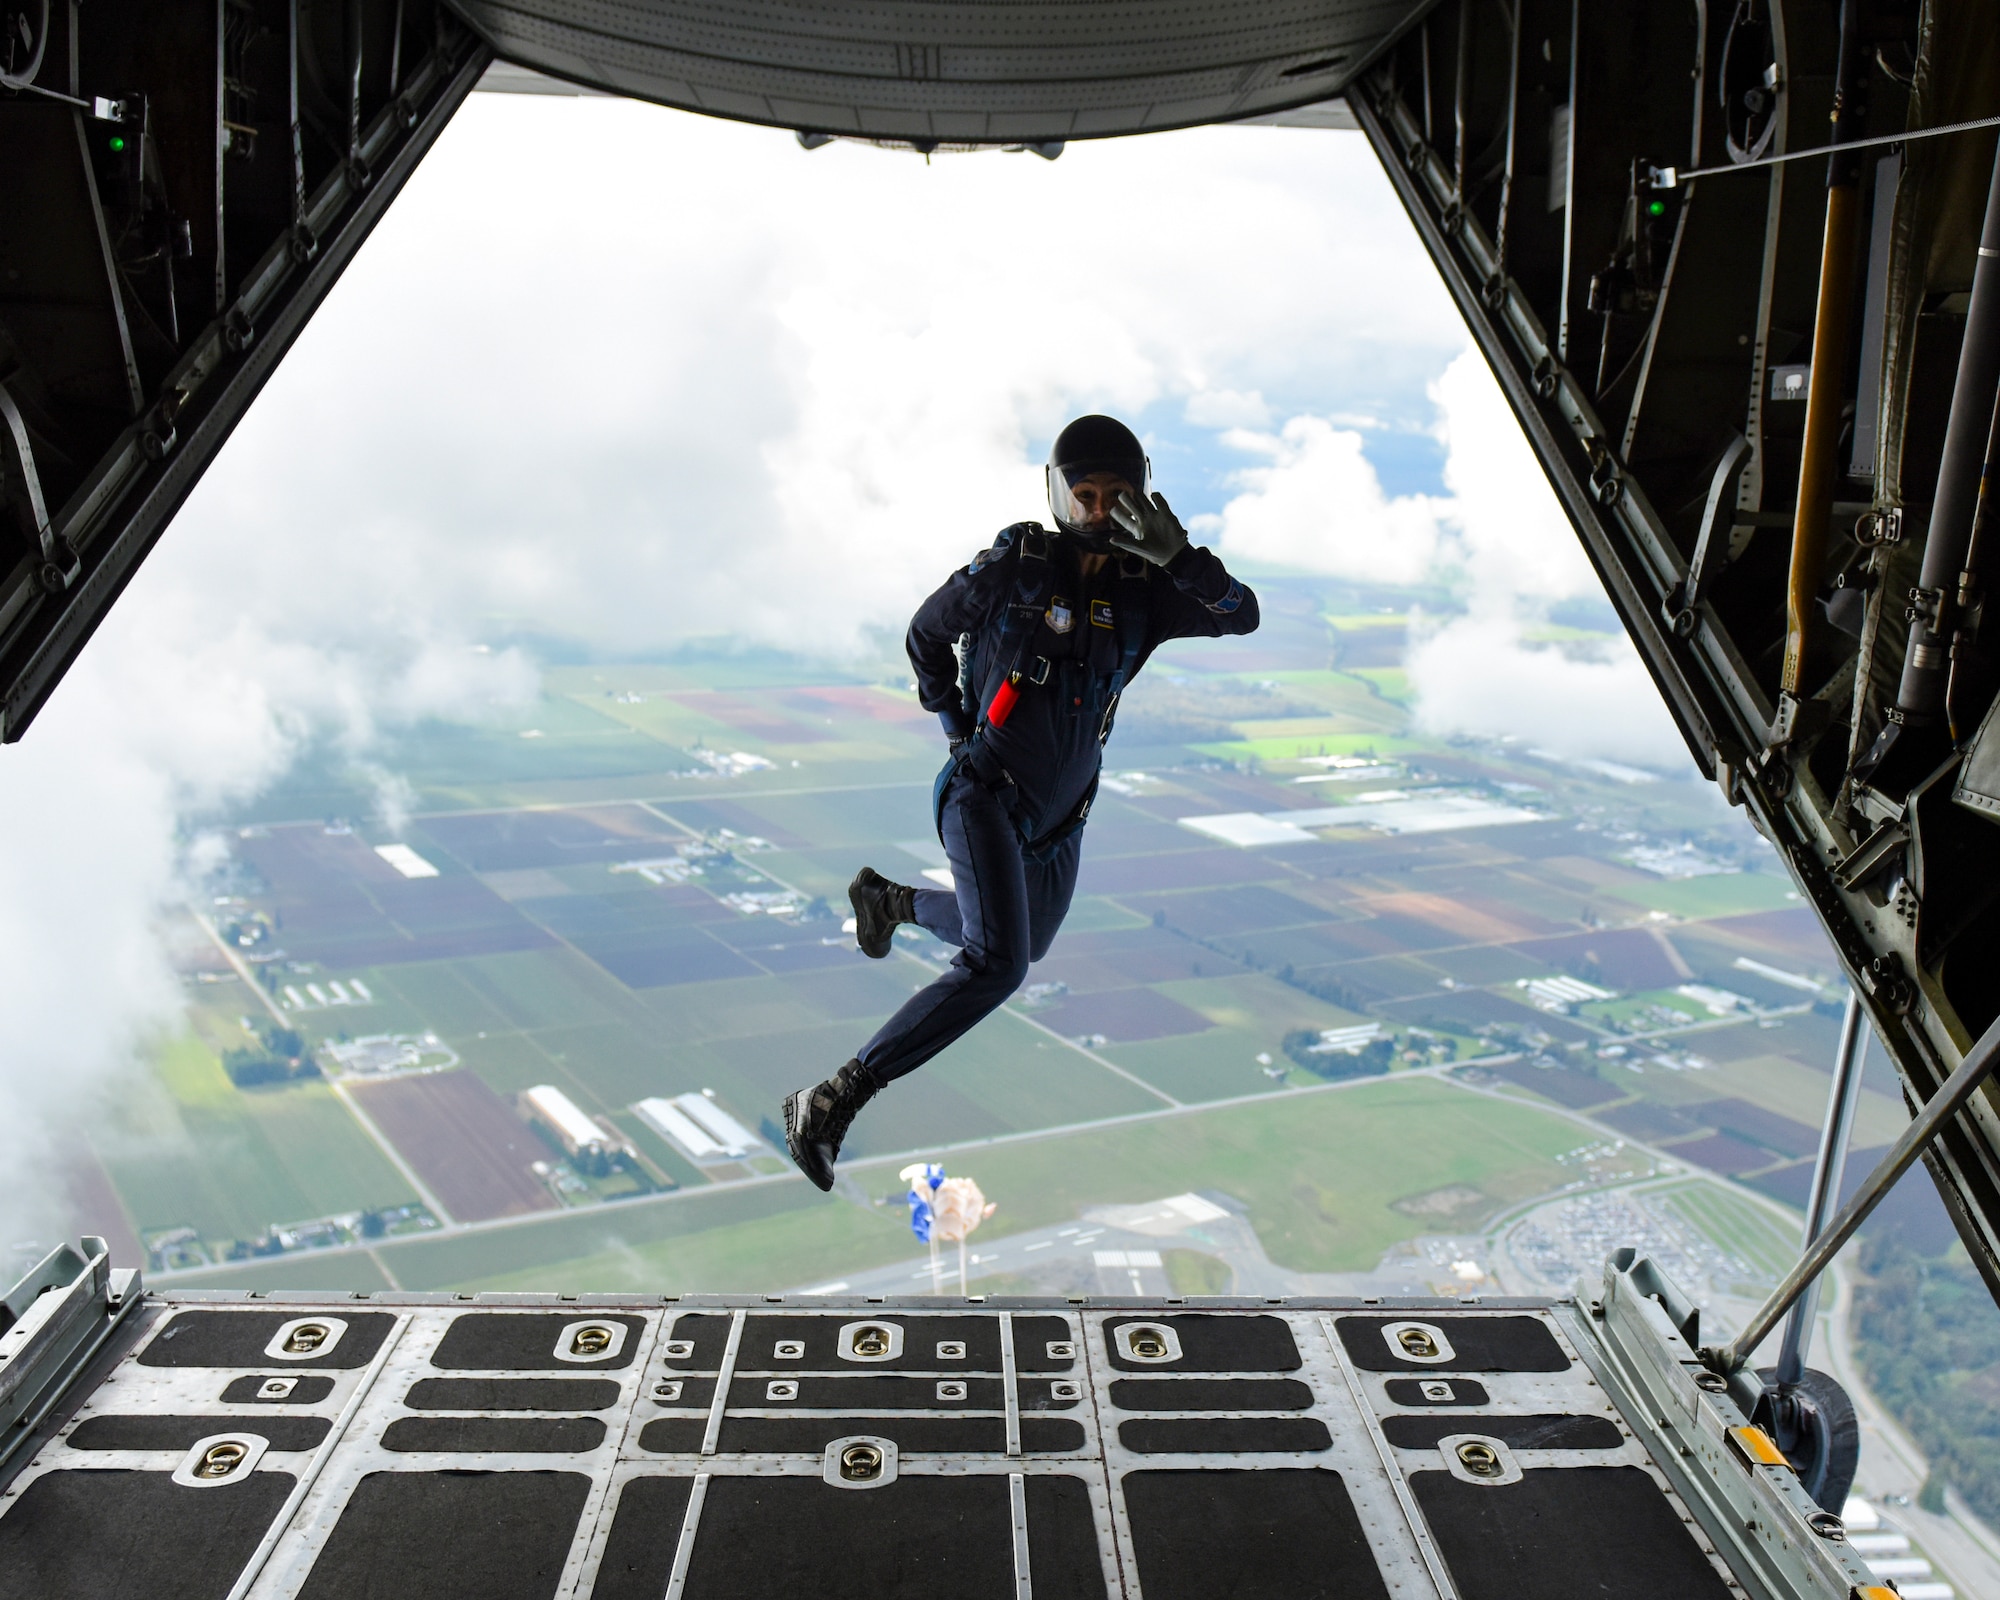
117	143
1658	208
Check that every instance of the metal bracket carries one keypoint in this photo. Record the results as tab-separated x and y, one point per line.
1678	608
59	565
58	1317
1869	856
1879	527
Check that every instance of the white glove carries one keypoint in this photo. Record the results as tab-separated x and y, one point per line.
1151	532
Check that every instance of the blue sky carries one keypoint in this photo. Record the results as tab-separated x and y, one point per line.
1195	467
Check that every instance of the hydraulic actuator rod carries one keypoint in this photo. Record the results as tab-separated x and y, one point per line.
1828	1170
1920	695
1971	668
1937	1111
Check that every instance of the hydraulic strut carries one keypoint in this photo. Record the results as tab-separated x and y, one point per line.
1920	696
1970	682
1828	1170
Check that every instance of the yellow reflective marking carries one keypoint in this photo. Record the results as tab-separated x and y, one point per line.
1755	1445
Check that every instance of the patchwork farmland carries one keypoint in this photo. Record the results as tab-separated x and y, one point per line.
634	890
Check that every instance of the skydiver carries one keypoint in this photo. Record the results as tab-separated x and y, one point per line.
1022	655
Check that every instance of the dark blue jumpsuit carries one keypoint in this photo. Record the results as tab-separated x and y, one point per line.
1018	784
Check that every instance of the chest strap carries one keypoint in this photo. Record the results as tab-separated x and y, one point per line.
1133	576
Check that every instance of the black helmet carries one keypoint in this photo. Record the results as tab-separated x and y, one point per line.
1088	446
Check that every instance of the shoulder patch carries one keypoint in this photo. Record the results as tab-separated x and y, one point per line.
1230	600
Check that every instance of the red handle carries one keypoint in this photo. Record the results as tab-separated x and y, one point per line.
1003	705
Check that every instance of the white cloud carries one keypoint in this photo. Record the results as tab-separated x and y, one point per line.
1226	408
635	377
1314	503
1480	673
1513	536
1318	506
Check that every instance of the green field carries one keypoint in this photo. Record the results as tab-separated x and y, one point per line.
193	1150
792	1249
478	1258
1721	894
317	1271
1218	1065
1795	1090
1319	1172
1090	913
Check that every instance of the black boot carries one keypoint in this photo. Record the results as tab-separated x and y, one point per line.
817	1119
879	908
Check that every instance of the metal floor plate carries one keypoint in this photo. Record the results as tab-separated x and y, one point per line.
422	1446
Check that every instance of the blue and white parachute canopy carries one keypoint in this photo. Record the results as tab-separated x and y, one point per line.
924	1179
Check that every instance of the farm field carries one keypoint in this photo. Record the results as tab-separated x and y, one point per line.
473	1153
1321	1173
192	1151
633	887
1328	1179
810	1244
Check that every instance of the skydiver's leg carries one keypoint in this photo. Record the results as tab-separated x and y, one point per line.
1051	885
938	913
993	915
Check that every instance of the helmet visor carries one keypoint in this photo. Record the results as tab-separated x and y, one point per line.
1082	494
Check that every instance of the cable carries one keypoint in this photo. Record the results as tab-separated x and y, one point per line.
1671	177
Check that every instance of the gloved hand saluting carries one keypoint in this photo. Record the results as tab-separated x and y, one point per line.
1151	532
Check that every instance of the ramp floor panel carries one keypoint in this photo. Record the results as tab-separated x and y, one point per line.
451	1535
1599	1531
1289	1534
800	1536
110	1535
618	1449
637	1563
245	1338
